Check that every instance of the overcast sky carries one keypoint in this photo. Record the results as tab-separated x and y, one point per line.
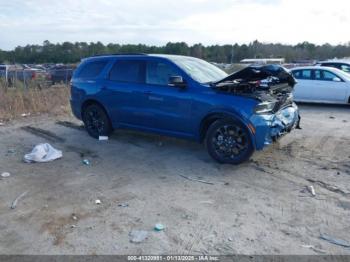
157	22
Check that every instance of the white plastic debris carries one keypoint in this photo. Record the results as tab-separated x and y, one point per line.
103	138
42	153
25	114
5	174
98	202
311	190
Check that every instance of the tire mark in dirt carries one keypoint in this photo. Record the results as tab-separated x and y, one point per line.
82	152
43	133
70	125
329	187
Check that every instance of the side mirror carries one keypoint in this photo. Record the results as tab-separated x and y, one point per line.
336	79
177	81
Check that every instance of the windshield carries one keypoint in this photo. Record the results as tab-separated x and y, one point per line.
199	70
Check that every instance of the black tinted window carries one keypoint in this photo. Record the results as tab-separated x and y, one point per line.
296	74
92	69
128	71
158	73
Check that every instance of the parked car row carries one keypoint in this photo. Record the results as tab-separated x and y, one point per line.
48	74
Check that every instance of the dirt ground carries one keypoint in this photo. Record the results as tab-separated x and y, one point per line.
260	207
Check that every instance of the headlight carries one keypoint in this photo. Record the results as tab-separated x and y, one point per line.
264	107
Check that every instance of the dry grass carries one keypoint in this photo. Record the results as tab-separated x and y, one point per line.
17	101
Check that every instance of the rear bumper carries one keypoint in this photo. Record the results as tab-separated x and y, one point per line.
270	127
76	108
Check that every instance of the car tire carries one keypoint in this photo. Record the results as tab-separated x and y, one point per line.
96	121
229	142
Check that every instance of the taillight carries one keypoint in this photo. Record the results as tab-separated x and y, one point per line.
33	75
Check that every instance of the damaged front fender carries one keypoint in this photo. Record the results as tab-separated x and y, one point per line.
270	127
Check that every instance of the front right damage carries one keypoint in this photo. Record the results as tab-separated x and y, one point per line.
272	85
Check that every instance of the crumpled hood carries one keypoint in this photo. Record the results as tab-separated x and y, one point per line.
267	75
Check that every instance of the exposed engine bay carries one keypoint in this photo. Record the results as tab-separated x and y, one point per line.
271	83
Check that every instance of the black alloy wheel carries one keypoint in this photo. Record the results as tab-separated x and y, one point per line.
96	121
229	142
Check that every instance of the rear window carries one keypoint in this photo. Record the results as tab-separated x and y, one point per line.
92	69
131	71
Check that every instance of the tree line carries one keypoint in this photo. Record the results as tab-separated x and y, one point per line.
68	52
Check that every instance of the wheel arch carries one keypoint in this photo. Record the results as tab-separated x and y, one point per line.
214	116
88	102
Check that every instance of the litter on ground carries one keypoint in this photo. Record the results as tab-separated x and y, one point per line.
311	189
123	205
15	202
159	227
335	241
5	174
42	153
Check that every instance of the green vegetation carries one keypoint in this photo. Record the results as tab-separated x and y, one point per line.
72	52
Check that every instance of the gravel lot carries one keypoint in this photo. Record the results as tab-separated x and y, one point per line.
260	207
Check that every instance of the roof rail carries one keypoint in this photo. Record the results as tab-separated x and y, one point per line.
119	54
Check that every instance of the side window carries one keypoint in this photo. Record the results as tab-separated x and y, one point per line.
305	74
328	76
131	71
318	75
92	69
158	73
296	74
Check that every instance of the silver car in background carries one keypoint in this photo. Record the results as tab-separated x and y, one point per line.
321	84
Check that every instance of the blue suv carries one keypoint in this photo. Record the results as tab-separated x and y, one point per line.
187	98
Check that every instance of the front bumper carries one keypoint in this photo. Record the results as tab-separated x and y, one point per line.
270	127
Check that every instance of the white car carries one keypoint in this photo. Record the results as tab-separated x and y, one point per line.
321	84
342	65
